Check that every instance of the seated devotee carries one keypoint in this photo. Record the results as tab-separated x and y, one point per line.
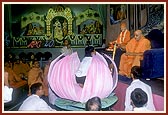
19	69
34	102
25	68
10	58
124	36
84	65
13	94
93	104
31	58
136	83
121	42
139	100
7	90
14	80
122	39
134	53
99	81
23	57
35	74
66	50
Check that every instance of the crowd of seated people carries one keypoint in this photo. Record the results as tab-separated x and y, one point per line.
20	74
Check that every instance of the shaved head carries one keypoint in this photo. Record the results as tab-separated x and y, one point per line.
138	34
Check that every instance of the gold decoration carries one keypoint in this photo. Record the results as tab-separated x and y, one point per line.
59	12
30	18
88	14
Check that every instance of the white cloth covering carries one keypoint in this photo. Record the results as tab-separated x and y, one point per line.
141	109
83	67
35	103
7	94
139	84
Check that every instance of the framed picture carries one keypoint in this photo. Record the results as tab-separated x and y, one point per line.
117	13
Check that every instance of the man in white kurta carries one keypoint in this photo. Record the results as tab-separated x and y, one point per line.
136	83
34	102
8	91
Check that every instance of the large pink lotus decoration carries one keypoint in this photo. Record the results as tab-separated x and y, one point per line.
100	81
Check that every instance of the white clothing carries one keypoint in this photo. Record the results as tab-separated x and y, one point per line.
7	94
83	67
66	51
35	103
138	84
141	109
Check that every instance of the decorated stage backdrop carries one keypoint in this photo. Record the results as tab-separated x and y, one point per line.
49	30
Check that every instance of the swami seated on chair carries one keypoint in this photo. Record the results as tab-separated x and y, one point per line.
134	53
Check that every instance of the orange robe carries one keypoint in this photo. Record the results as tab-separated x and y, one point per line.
133	46
123	38
14	80
18	70
12	76
21	69
25	68
35	75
